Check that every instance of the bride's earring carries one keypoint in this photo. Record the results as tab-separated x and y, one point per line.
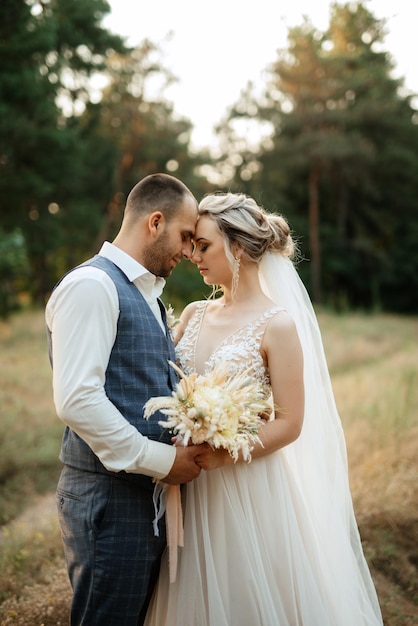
235	277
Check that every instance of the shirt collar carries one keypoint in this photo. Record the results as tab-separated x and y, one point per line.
151	285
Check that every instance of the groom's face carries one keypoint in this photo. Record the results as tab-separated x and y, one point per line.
174	240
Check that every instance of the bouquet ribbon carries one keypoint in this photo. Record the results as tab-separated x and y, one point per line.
167	499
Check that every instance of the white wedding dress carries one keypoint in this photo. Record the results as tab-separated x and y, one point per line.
256	549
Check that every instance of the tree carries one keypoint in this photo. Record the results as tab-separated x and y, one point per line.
68	156
321	76
47	52
145	135
13	265
333	105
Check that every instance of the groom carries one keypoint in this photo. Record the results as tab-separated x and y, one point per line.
110	346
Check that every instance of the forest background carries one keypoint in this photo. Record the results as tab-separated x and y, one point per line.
338	154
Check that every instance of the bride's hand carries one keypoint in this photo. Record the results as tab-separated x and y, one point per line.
210	459
177	440
266	416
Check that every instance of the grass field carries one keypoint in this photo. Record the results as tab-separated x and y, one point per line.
373	362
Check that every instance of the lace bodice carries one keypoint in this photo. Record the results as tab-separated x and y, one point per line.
241	349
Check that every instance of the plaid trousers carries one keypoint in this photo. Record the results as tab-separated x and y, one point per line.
112	555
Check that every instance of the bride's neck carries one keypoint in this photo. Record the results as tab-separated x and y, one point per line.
249	291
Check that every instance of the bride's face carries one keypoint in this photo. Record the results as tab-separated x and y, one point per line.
209	253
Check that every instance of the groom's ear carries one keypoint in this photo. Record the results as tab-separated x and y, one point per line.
156	223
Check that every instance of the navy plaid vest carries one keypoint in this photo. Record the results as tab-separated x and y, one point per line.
137	370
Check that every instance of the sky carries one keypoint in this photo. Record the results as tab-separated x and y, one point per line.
216	47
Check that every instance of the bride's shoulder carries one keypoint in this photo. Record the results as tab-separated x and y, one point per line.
190	309
280	325
186	315
281	340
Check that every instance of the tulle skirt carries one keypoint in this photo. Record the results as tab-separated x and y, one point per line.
254	555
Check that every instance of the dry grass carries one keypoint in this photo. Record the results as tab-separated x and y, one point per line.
33	576
374	367
30	432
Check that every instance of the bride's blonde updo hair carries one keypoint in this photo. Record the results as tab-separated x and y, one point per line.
242	221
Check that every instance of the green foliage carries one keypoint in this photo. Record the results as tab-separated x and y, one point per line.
67	163
12	253
342	160
14	269
47	53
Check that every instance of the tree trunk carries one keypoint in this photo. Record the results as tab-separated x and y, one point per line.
342	207
314	240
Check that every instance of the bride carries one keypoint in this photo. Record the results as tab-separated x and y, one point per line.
273	542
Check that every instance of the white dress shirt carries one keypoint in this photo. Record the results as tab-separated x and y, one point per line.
82	315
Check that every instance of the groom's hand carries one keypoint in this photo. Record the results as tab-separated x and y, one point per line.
185	467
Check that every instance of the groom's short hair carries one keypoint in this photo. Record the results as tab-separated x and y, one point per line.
156	192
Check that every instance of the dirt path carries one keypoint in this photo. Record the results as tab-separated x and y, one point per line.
44	603
38	517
